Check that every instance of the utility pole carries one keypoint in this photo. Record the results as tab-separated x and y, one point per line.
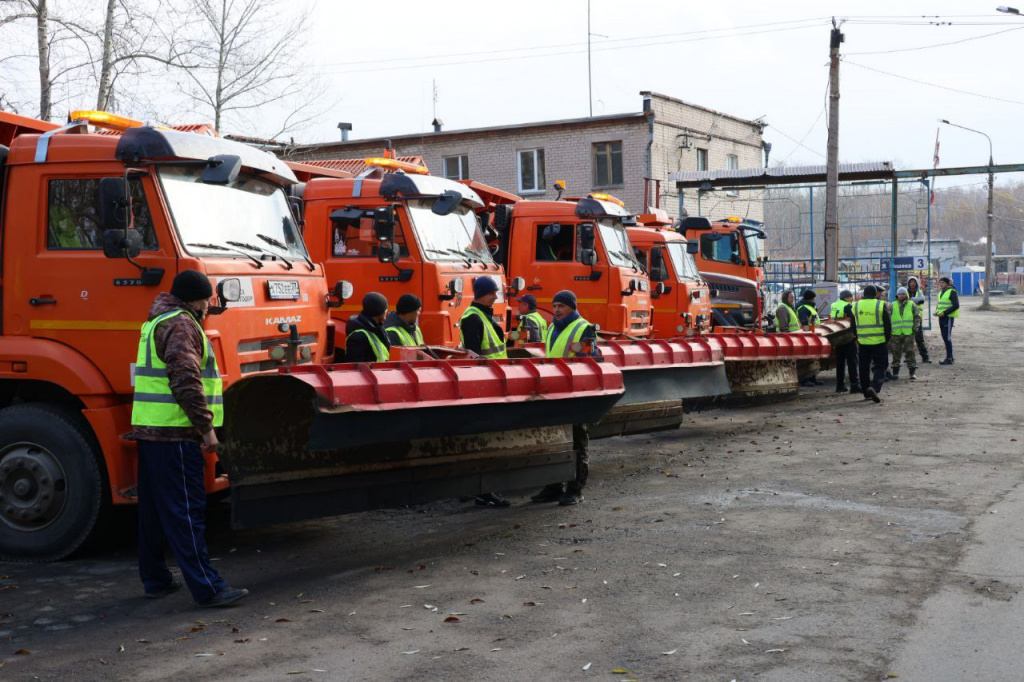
590	84
990	275
832	161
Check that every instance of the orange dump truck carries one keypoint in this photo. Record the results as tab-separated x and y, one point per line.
581	245
78	281
395	229
731	258
682	303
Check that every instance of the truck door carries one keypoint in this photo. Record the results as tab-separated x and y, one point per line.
548	253
59	284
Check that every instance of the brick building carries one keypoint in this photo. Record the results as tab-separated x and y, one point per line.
628	155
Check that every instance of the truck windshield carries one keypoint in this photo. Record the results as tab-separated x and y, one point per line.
248	211
754	252
451	237
616	243
682	262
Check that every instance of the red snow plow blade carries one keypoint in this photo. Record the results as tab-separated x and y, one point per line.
314	441
659	376
763	367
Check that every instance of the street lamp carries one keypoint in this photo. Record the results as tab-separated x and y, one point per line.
989	275
1008	10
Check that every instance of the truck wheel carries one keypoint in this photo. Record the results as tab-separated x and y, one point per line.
51	486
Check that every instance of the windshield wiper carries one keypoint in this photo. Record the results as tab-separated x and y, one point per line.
218	247
290	228
625	256
273	242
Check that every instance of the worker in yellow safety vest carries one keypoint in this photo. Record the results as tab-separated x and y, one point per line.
786	317
402	326
873	326
485	337
532	325
366	339
569	335
846	353
807	313
177	405
947	310
906	319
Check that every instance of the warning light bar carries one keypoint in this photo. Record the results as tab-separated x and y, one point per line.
601	196
105	120
395	164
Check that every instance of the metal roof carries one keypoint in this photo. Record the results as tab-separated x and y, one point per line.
356	166
781	175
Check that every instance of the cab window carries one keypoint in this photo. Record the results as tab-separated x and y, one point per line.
73	215
555	242
352	235
723	248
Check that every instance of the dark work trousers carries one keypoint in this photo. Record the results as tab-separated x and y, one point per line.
946	327
874	360
922	349
172	511
581	445
846	362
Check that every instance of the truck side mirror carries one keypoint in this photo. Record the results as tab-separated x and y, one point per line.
446	203
588	257
659	269
586	236
384	223
114	205
223	169
692	246
341	292
388	252
122	243
228	291
517	285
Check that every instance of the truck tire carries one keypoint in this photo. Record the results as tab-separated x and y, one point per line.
51	485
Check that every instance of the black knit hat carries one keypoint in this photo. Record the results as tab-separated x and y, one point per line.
374	304
191	285
408	303
565	297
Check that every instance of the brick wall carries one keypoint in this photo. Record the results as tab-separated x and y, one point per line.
679	130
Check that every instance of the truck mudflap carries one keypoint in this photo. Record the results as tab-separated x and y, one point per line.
315	441
660	376
764	367
837	333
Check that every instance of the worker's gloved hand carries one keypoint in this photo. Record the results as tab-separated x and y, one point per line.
210	442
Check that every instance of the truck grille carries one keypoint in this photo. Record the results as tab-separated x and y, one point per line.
265	364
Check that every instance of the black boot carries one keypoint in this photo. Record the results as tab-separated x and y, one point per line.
552	492
896	374
573	495
947	361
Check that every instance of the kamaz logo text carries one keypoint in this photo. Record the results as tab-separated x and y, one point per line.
293	319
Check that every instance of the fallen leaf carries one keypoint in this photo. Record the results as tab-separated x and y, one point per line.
242	641
744	641
587	666
22	652
782	618
520	577
143	641
476	600
747	613
620	671
120	649
676	575
429	606
775	651
322	611
453	619
405	606
421	587
496	649
462	648
283	620
663	565
669	653
617	508
410	653
529	603
318	670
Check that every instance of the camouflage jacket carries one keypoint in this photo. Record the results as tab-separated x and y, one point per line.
179	343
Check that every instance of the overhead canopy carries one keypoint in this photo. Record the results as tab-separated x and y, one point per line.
780	175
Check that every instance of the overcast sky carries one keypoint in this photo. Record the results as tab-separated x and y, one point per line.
511	62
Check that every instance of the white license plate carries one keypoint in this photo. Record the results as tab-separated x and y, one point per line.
283	289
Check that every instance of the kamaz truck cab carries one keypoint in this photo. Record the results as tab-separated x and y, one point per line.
581	245
682	303
731	259
94	225
394	229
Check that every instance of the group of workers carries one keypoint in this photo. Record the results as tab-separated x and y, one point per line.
880	328
373	332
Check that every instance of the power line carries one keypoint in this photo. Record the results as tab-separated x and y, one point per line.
928	47
935	85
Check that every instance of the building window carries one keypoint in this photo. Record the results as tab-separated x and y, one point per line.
702	159
607	164
531	170
73	215
732	162
456	167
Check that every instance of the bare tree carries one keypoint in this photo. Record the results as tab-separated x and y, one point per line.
243	68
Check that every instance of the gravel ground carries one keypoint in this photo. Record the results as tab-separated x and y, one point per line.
795	541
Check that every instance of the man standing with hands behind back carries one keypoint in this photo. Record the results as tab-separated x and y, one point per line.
178	403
